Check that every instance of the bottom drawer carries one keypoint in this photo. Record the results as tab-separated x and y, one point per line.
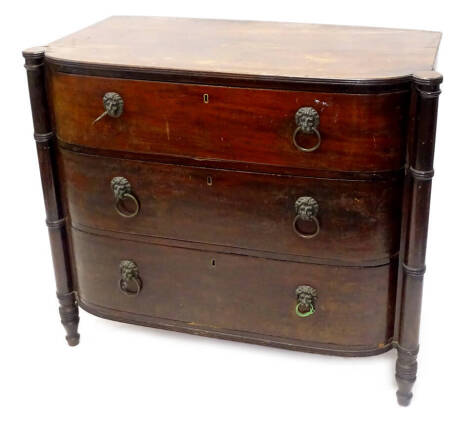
236	296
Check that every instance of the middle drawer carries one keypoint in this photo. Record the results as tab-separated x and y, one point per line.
341	220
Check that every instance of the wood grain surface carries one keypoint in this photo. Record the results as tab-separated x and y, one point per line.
359	132
251	48
200	288
359	220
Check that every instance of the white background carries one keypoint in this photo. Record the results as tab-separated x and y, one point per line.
123	374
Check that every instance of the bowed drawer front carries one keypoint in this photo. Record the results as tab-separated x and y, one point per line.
346	221
332	131
352	308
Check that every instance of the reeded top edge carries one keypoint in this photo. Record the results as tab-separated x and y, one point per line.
251	48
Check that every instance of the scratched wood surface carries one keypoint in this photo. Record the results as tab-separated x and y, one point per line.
360	220
237	292
251	48
359	132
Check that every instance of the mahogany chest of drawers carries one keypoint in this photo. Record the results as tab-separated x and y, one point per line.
261	182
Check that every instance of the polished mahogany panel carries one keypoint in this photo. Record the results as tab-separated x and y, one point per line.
359	220
354	305
250	48
359	132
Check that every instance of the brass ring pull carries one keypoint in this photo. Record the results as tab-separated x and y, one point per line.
301	148
129	273
306	300
306	209
309	312
122	190
123	286
307	120
122	211
306	235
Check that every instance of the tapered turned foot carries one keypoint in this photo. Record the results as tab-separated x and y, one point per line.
406	369
69	318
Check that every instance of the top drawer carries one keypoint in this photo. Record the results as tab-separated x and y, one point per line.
354	132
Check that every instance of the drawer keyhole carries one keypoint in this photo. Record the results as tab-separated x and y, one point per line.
205	98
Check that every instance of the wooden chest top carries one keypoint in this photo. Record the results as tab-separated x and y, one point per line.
291	50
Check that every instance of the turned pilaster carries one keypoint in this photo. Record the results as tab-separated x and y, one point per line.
417	196
34	64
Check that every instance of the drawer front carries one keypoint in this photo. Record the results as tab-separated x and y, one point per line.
350	305
357	221
355	132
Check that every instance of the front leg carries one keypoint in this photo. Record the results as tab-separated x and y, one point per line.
69	317
46	145
416	202
406	368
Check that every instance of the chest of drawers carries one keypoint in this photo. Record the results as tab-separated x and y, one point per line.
261	182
